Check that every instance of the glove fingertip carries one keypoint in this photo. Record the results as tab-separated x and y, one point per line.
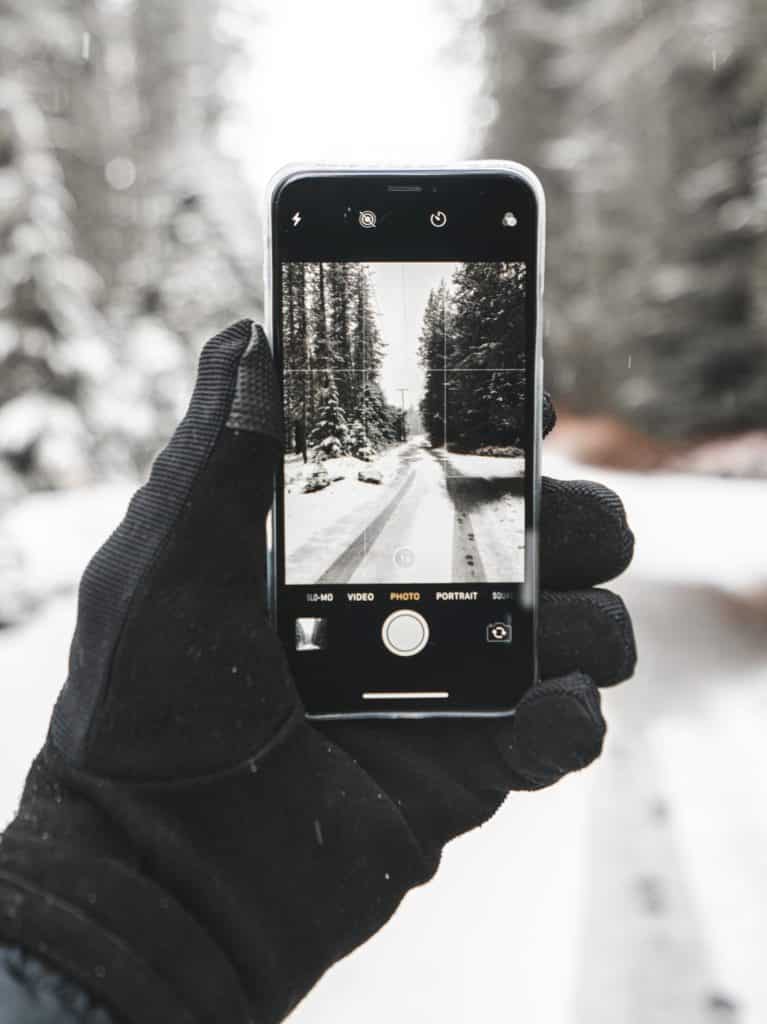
585	537
256	404
590	629
215	384
221	354
558	728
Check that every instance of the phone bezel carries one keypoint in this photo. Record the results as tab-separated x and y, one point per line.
290	173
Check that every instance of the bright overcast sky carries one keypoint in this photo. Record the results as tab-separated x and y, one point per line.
401	293
341	81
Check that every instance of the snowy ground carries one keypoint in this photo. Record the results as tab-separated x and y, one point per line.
55	534
46	537
318	512
435	517
632	894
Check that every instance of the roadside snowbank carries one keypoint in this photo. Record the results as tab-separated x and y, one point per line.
308	514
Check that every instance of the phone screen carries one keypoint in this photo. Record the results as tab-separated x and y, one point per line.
402	565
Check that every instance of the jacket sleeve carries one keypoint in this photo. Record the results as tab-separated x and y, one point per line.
32	993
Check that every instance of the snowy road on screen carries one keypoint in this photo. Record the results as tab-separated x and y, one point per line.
435	517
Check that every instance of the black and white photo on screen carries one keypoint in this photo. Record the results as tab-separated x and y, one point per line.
404	402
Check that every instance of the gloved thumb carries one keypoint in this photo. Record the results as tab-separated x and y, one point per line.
179	574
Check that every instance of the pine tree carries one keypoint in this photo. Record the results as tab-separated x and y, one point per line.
330	435
318	319
655	196
345	353
53	351
359	442
488	315
366	343
319	349
364	352
129	234
472	346
296	355
485	392
375	416
196	232
340	313
431	354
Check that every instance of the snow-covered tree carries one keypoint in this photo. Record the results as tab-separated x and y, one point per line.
472	348
486	406
381	422
322	354
329	436
125	234
431	354
359	442
297	356
52	347
366	343
340	284
195	236
646	125
330	329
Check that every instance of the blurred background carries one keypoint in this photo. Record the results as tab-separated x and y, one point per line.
136	139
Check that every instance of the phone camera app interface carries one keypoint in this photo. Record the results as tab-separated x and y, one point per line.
403	498
404	410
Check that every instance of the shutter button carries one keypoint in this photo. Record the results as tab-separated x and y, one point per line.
405	633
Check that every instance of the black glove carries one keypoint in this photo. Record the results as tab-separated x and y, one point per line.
189	848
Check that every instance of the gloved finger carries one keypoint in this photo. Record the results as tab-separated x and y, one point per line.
558	728
586	630
585	538
255	403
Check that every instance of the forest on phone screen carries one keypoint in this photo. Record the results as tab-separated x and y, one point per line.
472	334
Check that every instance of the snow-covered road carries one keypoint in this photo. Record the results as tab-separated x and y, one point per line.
631	894
434	518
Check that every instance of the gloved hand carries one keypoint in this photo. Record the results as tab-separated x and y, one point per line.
189	848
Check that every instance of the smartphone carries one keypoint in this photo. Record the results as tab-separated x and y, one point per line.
404	307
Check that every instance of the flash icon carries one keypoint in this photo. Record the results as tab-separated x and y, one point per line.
296	218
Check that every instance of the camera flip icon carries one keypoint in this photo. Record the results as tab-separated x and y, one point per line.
498	633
